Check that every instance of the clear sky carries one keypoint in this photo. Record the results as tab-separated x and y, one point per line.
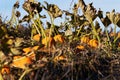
105	5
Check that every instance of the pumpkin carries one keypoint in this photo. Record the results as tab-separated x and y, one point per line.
48	41
36	37
112	34
35	48
59	58
5	70
26	50
119	44
80	47
93	43
30	50
118	34
59	38
84	39
21	61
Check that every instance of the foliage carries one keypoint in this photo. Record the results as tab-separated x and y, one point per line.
77	49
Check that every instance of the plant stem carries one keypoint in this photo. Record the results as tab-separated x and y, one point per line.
108	38
95	32
24	73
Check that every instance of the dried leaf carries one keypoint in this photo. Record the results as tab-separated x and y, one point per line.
68	32
10	42
53	9
106	21
18	42
100	14
2	56
15	51
16	5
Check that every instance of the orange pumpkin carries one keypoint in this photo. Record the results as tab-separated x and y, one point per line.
59	58
118	34
84	39
36	37
26	50
21	61
5	70
48	41
119	44
31	55
80	47
35	48
59	38
93	43
112	34
30	50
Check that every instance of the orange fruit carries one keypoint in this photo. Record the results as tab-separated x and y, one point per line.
35	48
31	55
59	58
48	41
36	37
26	50
84	39
93	43
21	61
118	34
112	34
80	47
5	70
59	38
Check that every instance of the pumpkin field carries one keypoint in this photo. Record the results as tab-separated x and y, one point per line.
76	49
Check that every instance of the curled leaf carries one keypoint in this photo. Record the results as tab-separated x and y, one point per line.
106	21
15	51
53	9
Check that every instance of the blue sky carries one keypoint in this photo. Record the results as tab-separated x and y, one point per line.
105	5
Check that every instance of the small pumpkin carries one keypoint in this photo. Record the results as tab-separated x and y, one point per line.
36	37
5	70
93	43
119	44
26	50
84	39
80	47
48	41
59	38
21	61
118	34
112	34
35	48
29	49
59	58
